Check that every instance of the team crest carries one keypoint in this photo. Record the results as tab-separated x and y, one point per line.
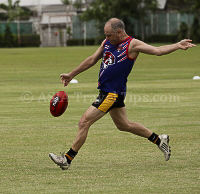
119	49
108	59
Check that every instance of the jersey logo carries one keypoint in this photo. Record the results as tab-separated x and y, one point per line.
108	59
119	49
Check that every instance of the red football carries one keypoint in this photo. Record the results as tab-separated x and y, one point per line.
58	103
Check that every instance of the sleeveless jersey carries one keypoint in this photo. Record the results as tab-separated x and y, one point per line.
115	67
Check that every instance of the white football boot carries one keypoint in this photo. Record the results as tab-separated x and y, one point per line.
164	146
60	161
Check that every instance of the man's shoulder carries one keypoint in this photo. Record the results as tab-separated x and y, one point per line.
134	41
103	43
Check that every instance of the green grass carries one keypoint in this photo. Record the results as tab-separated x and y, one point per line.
161	95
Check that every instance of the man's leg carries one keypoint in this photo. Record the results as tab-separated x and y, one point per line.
123	124
90	116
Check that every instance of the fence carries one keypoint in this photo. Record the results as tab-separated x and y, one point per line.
81	28
163	23
159	23
23	27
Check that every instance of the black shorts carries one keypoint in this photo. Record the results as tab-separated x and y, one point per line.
107	101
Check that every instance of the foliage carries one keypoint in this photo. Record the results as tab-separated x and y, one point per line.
183	32
8	37
66	2
195	30
187	7
102	11
75	42
11	40
183	6
161	38
25	13
14	12
76	3
69	31
30	40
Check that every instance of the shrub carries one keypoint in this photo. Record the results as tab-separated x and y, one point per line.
162	38
30	40
76	42
195	30
183	32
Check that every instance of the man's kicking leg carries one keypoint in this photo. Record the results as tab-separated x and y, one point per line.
123	124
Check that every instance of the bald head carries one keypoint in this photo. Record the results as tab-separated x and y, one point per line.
116	24
114	31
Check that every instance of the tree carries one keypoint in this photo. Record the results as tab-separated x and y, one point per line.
195	30
143	8
102	10
14	11
66	2
185	7
8	37
78	5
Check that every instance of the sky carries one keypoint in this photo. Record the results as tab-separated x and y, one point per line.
34	2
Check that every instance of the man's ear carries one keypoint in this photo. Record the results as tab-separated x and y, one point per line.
119	32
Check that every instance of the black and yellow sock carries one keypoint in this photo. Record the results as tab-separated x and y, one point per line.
155	139
70	155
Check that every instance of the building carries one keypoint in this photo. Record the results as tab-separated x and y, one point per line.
56	23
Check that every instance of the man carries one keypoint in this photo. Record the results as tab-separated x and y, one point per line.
118	53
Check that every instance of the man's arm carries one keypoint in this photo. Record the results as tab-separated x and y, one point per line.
86	64
137	46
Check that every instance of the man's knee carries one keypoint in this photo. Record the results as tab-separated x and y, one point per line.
124	126
121	127
83	123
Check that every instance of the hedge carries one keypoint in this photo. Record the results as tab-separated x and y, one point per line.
162	38
29	40
32	40
76	42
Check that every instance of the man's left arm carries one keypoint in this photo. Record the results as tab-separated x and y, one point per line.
137	46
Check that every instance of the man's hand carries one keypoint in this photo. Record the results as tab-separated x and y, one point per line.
65	78
185	44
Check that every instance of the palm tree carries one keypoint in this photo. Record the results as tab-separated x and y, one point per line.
14	11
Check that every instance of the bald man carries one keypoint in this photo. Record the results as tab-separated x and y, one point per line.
118	53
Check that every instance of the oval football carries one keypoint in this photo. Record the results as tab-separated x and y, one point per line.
58	103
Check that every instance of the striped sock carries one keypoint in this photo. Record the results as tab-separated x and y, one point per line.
155	139
70	155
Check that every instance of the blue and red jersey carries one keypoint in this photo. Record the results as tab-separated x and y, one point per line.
115	67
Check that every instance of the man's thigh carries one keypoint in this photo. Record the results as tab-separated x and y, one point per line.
119	117
92	114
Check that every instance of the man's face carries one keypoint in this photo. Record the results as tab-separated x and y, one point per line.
111	35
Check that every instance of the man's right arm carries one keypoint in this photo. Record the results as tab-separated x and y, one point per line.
86	64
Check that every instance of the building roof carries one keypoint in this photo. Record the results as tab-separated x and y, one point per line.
59	18
54	8
47	8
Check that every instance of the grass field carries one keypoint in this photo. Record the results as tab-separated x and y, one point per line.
161	95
